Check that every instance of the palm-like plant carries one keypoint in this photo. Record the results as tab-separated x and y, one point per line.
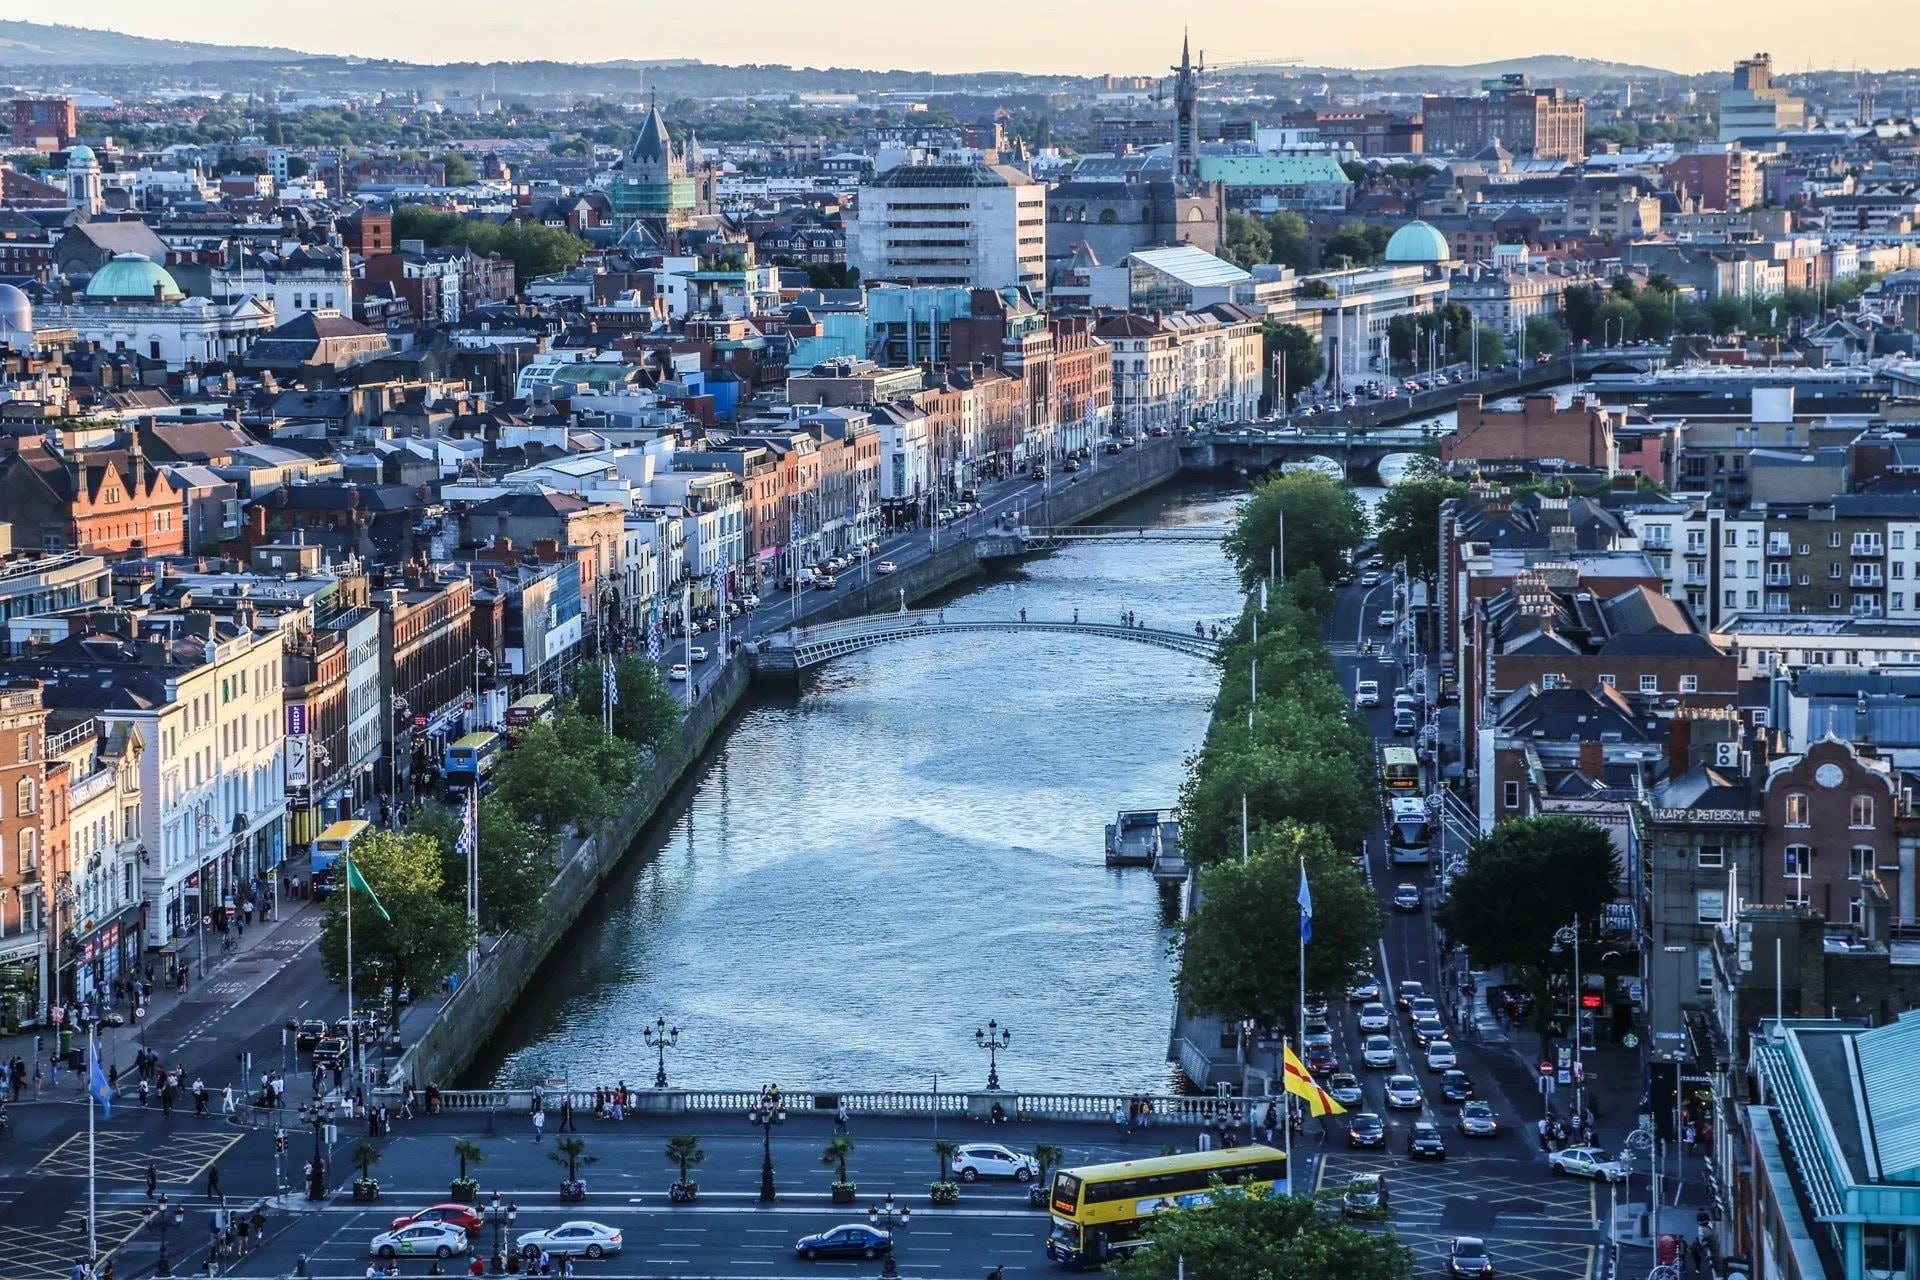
943	1190
572	1152
684	1150
366	1155
836	1153
468	1154
1049	1158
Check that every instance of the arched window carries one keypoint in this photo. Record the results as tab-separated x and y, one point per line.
1109	216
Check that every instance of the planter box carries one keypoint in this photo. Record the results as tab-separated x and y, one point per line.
463	1192
571	1192
844	1195
365	1190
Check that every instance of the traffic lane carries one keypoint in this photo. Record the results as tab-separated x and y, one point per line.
704	1239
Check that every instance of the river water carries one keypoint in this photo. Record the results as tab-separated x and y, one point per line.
870	869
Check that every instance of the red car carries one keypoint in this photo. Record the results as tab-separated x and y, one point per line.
459	1215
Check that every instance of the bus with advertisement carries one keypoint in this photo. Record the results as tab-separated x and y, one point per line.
1100	1211
468	762
1399	770
527	711
1409	831
329	846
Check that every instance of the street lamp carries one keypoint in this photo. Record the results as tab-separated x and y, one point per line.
319	1115
888	1215
770	1112
204	821
66	929
501	1216
994	1040
162	1219
400	709
1567	935
661	1037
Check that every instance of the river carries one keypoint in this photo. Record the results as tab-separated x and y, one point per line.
871	868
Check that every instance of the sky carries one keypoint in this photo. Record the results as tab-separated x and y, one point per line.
1069	36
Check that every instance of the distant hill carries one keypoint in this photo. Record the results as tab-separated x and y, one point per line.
38	44
1546	68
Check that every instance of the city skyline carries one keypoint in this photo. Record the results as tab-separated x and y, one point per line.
1065	37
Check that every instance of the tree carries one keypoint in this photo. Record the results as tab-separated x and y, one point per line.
1240	950
1564	870
1617	321
1544	337
1247	244
1493	345
1656	314
647	713
366	1155
1049	1158
1578	303
1403	338
468	1154
423	935
838	1150
1324	524
570	1153
944	1150
516	863
1409	522
1261	1237
459	168
565	773
1308	767
1300	352
1291	241
1352	244
1726	313
685	1151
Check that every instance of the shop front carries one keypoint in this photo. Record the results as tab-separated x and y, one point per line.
22	984
106	954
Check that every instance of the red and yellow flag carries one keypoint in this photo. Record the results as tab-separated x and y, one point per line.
1301	1084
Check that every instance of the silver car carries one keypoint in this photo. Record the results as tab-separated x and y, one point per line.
1378	1052
1403	1093
593	1239
1374	1017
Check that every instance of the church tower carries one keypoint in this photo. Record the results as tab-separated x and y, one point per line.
1186	116
653	183
83	181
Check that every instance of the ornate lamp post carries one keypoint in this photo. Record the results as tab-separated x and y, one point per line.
770	1112
501	1216
886	1214
164	1216
319	1115
400	709
1569	935
661	1037
994	1039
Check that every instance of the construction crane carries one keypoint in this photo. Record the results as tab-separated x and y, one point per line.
1242	63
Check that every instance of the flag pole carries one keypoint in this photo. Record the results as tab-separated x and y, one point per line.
353	1032
93	1067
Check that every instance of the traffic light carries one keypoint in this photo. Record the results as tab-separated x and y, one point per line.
280	1141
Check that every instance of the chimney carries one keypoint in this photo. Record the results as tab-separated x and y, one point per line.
1679	744
1593	760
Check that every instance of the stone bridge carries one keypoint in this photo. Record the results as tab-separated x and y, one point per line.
795	649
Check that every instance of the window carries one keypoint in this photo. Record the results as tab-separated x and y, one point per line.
1797	809
1899	537
1859	861
1733	599
1833	569
1712	856
1833	539
1753	568
1753	537
1703	969
1732	538
23	797
1510	795
1689	684
1709	905
1607	680
1860	812
1649	684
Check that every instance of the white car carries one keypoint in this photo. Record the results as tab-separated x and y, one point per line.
1441	1056
1384	620
884	566
678	671
1366	693
594	1239
1587	1162
1374	1017
991	1160
751	600
698	653
1403	1093
1378	1052
420	1240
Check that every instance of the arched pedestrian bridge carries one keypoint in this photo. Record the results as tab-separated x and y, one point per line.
795	649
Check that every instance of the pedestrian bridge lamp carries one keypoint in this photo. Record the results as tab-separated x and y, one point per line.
994	1040
164	1216
501	1216
768	1112
661	1037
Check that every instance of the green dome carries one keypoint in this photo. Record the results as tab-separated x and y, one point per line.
132	277
1418	242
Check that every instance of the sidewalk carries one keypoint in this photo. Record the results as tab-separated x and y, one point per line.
170	1005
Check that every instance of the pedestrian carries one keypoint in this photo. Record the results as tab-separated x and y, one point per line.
1543	1127
144	1087
1698	1253
566	1116
213	1184
476	1267
153	1178
199	1097
243	1228
406	1103
386	1119
106	1270
539	1124
79	1271
226	1101
1120	1118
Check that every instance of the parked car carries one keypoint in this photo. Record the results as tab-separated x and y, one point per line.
1366	1129
594	1239
854	1240
420	1240
1425	1142
991	1160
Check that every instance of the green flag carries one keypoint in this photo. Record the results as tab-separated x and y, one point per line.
357	881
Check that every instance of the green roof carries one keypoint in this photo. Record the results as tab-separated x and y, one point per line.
133	276
1271	171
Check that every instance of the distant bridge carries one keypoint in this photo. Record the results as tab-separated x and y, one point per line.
796	649
1046	537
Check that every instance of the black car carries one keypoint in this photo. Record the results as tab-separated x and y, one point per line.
308	1035
1456	1087
854	1240
1425	1143
1467	1256
1366	1130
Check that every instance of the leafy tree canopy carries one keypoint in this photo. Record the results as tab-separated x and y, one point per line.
1264	1238
1526	879
1409	520
1324	524
423	936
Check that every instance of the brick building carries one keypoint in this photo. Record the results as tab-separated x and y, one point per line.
108	503
1829	816
427	656
23	887
1543	123
44	124
1719	179
1581	433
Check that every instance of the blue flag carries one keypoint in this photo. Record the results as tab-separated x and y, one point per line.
97	1086
1306	906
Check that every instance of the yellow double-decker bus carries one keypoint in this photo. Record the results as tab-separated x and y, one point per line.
1399	770
1101	1210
